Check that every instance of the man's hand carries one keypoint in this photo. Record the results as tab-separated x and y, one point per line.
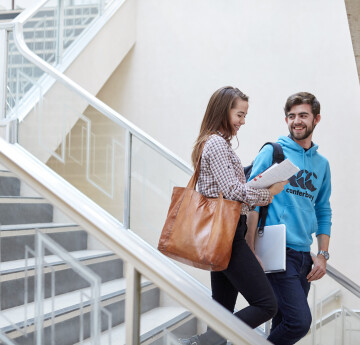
319	269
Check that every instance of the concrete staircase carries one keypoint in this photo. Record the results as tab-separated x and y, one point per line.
23	213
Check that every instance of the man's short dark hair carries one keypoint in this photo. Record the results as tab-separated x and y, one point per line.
302	98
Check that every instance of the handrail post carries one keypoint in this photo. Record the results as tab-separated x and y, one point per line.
95	318
60	32
127	178
101	7
39	295
4	46
12	134
343	324
132	305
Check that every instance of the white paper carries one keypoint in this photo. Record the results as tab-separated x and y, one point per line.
276	173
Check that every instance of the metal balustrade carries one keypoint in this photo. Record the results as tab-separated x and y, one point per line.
190	300
49	32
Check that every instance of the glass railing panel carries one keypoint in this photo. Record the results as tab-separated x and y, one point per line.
335	313
56	25
49	33
152	180
21	79
165	321
41	32
77	17
58	284
79	143
350	326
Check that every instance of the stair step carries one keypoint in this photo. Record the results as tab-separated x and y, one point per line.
22	200
31	229
9	185
63	304
59	277
15	238
13	266
151	323
4	172
23	210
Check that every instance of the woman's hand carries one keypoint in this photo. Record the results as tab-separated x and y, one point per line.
276	189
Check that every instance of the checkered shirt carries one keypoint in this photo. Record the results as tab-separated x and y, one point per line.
221	170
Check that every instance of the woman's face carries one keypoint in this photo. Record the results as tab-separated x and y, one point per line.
237	115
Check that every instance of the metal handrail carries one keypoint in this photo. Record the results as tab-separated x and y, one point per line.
130	247
343	280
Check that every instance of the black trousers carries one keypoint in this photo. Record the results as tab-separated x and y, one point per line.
245	275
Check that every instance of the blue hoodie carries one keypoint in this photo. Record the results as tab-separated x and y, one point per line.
303	206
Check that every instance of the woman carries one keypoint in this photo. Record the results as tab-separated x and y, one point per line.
221	170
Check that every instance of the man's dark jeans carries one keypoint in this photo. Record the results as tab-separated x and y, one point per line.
293	319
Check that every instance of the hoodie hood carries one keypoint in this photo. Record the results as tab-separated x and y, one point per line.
306	155
293	145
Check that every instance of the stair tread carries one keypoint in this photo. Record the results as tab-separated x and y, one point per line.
35	225
6	173
150	320
62	303
22	200
12	266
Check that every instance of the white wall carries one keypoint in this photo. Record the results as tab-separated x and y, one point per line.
187	49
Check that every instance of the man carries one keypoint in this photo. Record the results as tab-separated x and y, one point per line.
304	208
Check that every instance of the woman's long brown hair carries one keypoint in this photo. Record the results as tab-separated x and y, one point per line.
216	117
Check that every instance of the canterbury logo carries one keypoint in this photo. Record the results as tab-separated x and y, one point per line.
303	179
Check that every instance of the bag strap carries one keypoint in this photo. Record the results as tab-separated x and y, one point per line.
278	157
278	154
194	178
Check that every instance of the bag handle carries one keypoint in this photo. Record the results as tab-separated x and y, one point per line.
194	178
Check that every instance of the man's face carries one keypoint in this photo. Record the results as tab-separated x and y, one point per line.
301	121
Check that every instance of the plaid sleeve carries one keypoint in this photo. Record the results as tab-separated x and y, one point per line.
217	152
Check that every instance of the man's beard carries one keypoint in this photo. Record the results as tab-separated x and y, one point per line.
303	136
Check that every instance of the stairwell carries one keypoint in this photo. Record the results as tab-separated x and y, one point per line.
23	214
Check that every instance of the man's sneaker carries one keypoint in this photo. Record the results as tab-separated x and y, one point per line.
190	341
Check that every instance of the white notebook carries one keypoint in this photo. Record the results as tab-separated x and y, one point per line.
271	248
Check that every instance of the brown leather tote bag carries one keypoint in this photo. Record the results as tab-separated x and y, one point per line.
199	231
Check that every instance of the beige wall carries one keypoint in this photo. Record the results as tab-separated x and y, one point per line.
187	49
